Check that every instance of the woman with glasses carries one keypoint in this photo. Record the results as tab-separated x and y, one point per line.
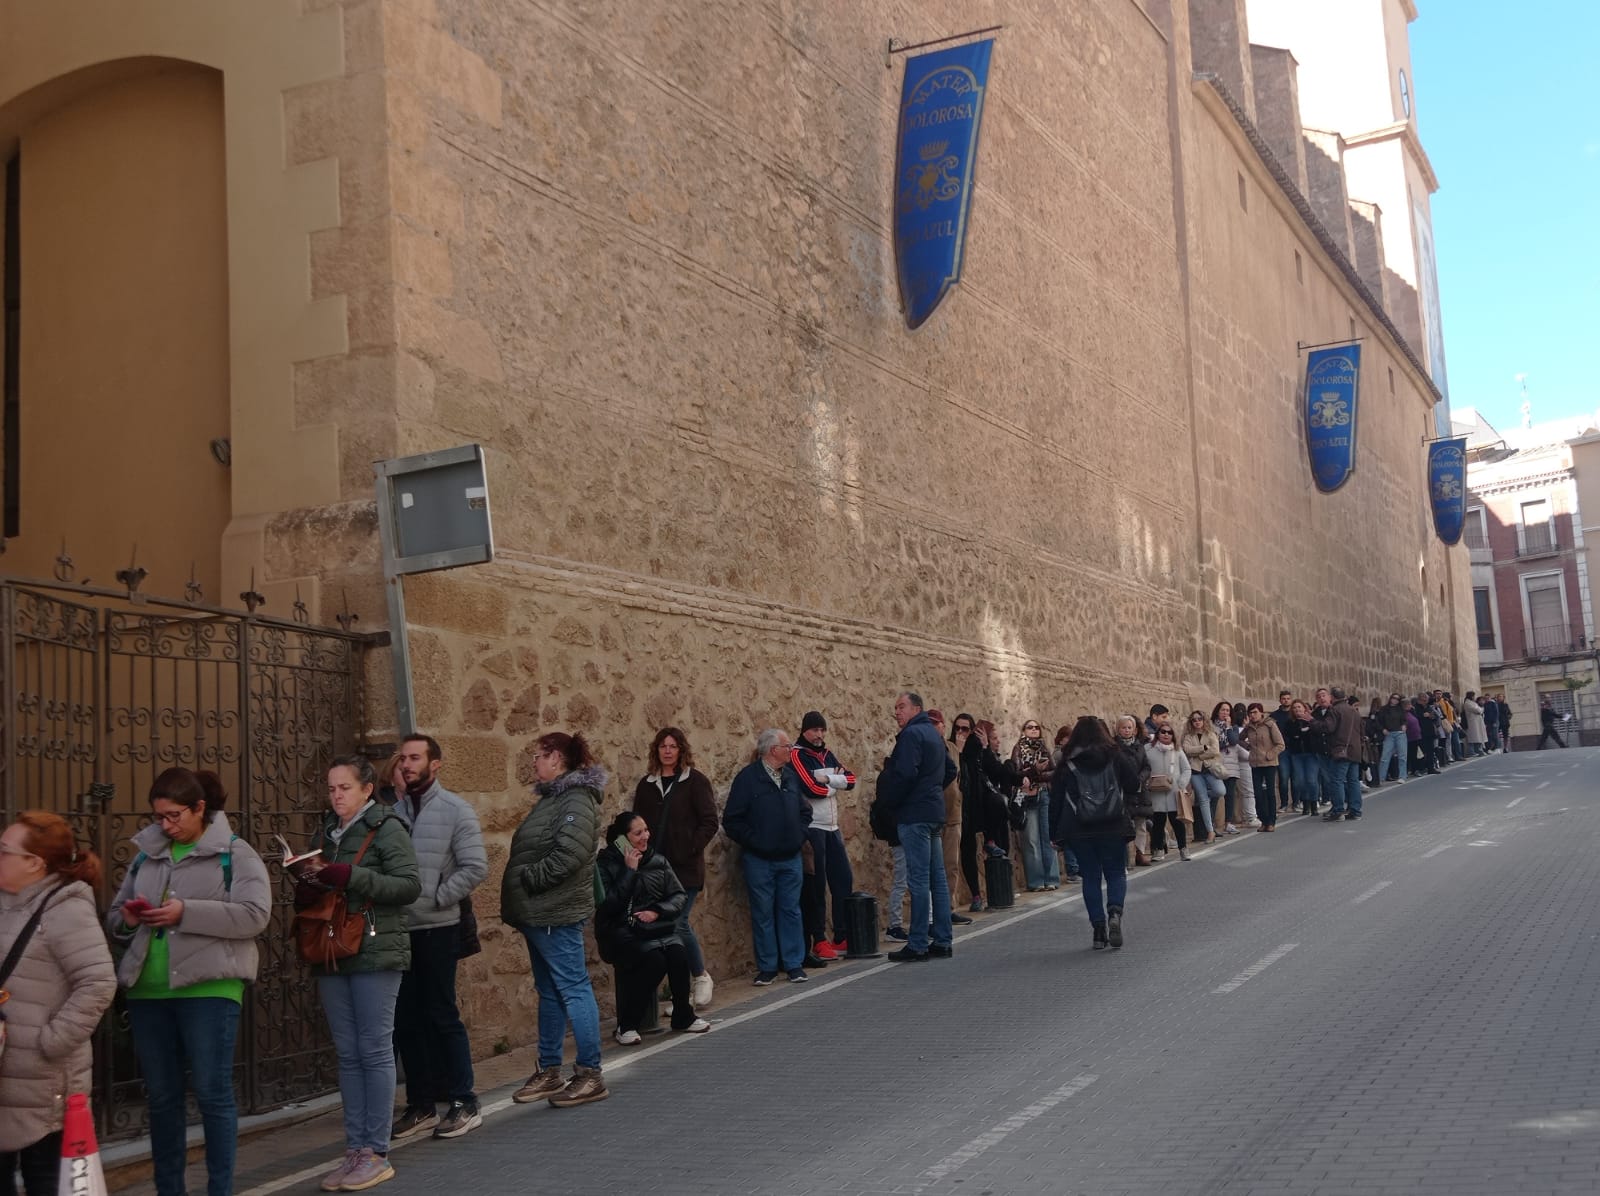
1030	759
548	894
60	985
1199	743
1170	777
188	913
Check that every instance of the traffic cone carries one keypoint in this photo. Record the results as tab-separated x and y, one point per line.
81	1173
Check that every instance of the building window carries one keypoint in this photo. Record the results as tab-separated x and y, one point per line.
1476	534
1485	613
1536	531
1244	202
11	371
1391	379
1299	267
1352	328
1545	600
1405	94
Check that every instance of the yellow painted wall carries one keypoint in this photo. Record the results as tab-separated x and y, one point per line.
124	332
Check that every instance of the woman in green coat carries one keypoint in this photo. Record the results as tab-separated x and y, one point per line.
358	992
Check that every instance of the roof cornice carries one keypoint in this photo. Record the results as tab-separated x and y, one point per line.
1405	131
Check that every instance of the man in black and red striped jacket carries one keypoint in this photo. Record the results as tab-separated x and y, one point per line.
822	778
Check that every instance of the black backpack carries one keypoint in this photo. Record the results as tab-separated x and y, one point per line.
1099	805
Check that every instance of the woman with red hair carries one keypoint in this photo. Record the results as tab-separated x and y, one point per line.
56	968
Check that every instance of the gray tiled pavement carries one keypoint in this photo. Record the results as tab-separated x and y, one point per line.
1439	1035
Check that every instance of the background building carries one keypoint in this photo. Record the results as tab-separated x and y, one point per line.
1532	579
642	254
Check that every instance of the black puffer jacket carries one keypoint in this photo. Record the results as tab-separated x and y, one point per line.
1139	804
1064	826
652	886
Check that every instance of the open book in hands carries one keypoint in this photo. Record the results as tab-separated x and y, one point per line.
297	866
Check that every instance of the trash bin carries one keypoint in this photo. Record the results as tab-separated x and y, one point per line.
861	925
998	881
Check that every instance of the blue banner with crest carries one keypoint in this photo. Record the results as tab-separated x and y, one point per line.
1447	487
1332	382
941	109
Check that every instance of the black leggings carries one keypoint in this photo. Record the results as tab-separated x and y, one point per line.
969	859
40	1165
637	978
1159	822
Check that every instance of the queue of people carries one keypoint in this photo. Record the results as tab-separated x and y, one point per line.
398	857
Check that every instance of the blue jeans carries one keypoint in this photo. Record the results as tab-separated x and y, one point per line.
775	930
168	1033
1341	784
1040	864
360	1010
898	887
1394	747
924	848
1207	789
1305	777
561	977
1104	859
691	942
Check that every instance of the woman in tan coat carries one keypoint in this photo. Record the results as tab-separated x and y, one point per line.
60	986
1265	744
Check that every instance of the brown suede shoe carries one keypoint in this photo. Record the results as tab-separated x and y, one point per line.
584	1088
545	1082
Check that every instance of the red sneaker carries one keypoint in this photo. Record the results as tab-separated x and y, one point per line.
825	950
841	949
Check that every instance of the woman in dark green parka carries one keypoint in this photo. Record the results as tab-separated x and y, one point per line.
358	993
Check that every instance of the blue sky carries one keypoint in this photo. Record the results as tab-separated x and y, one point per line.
1508	107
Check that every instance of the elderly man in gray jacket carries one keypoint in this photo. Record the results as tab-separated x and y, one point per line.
428	1032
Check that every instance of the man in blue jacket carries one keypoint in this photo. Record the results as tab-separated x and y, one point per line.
912	786
767	816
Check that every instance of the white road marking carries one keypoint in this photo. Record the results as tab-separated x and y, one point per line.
1433	851
1509	804
1003	1130
1472	830
1542	785
1255	969
1372	892
1483	843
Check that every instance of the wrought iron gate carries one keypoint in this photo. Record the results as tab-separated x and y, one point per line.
101	692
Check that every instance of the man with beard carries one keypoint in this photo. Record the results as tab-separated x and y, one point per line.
428	1033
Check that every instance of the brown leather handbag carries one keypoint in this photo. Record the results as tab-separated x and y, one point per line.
330	930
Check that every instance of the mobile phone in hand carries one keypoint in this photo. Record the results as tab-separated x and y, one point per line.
622	845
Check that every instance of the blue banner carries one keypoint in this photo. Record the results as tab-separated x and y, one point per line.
941	108
1331	385
1447	487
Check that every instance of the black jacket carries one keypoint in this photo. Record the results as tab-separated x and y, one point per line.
1303	739
767	820
653	886
979	764
1392	717
1064	826
1138	801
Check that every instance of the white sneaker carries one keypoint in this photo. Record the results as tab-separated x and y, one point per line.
700	990
628	1037
698	1026
1230	829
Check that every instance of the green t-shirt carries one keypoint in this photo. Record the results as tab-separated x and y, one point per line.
152	983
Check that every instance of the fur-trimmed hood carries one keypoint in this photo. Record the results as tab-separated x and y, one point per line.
591	777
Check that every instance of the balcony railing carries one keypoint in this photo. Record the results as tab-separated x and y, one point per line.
1474	536
1538	539
1547	641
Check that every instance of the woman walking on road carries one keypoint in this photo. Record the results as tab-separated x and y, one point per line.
189	911
1089	808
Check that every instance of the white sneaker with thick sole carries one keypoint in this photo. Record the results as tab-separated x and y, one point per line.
628	1037
698	1026
701	989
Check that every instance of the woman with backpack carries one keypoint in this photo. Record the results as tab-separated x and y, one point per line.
1089	813
636	927
189	911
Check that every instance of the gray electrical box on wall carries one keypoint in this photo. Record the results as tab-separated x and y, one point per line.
433	513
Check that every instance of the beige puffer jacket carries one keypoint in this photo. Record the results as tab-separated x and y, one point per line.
61	986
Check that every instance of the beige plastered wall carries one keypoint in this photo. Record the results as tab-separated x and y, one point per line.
278	193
